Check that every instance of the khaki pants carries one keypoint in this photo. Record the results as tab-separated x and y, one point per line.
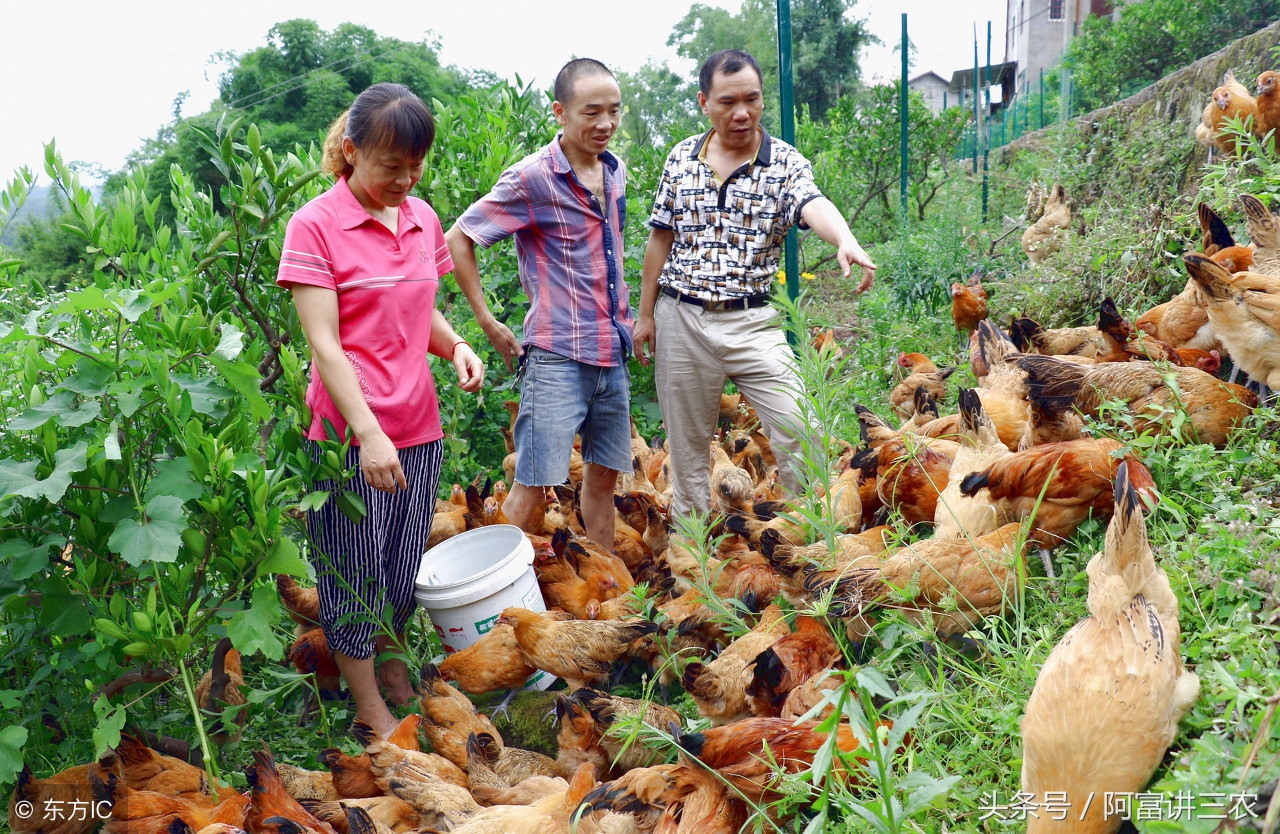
697	350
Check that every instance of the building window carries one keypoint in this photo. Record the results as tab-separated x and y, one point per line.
1055	9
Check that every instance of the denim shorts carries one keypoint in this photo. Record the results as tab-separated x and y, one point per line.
560	397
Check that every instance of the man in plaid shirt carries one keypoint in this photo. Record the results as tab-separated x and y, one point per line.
725	202
566	207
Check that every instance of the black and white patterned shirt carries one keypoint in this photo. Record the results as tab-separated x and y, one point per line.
728	235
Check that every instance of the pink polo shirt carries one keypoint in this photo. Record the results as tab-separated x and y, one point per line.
386	286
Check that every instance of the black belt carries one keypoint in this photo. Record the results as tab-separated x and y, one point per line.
745	303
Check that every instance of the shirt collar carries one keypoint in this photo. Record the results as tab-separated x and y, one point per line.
560	162
764	155
351	214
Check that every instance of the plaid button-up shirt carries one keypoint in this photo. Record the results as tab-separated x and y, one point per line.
728	236
569	249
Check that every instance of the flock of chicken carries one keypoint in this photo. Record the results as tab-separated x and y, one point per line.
1015	465
1233	102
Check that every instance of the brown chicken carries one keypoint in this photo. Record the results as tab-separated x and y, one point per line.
303	784
787	663
1102	343
1182	322
390	812
1108	700
491	663
1044	237
911	470
921	373
1264	235
67	786
718	686
551	814
810	693
748	754
968	305
1267	99
1215	408
959	515
670	799
268	798
303	604
149	812
593	563
563	588
310	655
952	583
580	651
618	718
1058	485
1050	421
706	806
144	769
1230	101
512	765
794	564
385	756
222	687
643	793
448	717
1244	310
352	775
579	740
731	487
441	805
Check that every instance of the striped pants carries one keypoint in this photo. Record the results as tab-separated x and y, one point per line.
365	572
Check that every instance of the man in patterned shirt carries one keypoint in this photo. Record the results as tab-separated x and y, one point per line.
566	207
725	202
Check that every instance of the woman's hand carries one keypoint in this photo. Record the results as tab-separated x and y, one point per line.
380	463
469	367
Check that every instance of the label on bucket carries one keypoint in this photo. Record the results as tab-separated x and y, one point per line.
485	625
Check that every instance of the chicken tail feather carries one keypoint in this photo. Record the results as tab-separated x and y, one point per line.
974	482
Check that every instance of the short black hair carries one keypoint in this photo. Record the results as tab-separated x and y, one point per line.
727	61
567	77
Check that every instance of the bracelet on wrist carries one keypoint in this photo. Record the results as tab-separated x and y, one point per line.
453	350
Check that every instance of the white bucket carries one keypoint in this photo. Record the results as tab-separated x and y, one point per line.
466	581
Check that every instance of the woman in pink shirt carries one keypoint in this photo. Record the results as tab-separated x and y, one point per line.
363	261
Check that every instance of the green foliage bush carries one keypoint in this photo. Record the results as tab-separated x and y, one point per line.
1111	60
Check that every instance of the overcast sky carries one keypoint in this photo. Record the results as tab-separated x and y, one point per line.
101	76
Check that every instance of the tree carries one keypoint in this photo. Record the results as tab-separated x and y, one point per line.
825	45
295	86
661	106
